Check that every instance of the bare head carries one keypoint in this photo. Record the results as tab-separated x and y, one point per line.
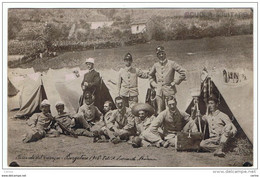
172	103
119	103
107	106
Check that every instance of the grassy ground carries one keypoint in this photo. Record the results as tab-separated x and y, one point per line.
228	52
62	151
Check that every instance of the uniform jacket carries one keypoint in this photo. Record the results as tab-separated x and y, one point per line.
108	116
162	75
90	113
170	122
65	119
127	81
216	123
121	120
93	79
40	121
98	88
143	125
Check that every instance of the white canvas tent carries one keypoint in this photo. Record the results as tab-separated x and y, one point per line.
236	99
64	84
12	90
56	85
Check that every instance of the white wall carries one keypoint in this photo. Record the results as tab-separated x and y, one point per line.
138	28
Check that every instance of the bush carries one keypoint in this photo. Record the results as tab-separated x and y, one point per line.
24	47
14	26
194	28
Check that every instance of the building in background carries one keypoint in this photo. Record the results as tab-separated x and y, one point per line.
142	28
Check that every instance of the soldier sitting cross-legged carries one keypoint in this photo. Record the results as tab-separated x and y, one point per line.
99	128
87	116
121	125
170	121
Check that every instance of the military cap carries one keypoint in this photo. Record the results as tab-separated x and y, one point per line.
59	103
128	56
45	103
213	98
159	49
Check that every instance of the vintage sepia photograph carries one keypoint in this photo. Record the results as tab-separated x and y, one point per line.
130	87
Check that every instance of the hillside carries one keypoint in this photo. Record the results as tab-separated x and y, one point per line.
229	52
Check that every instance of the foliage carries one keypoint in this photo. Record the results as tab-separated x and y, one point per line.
14	26
25	47
108	12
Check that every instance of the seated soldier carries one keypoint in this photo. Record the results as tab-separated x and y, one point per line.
221	129
121	125
99	127
63	118
144	117
170	121
87	116
41	124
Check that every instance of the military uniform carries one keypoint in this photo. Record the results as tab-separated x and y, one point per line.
40	126
142	125
86	117
101	125
162	76
66	120
171	123
121	124
220	130
128	84
93	79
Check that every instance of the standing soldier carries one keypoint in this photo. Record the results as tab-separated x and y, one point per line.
127	82
163	79
91	82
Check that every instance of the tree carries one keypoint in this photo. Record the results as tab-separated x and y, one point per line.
51	33
108	12
14	26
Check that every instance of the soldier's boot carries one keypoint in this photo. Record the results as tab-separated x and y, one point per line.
136	142
27	138
87	133
102	139
96	136
159	143
130	141
165	144
219	152
115	140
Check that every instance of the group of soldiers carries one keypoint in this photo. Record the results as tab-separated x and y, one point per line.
139	124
